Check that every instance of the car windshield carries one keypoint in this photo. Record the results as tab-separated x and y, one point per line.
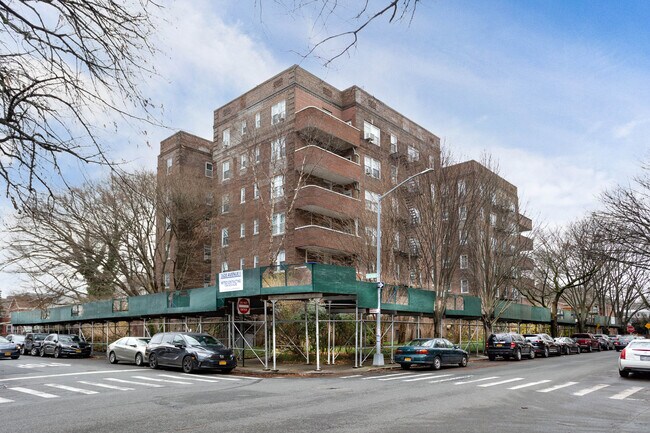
39	337
4	340
18	338
142	341
202	340
69	339
420	342
639	344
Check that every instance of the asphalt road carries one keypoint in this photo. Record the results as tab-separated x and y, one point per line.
569	394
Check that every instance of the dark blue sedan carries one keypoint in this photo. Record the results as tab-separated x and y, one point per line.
8	349
431	352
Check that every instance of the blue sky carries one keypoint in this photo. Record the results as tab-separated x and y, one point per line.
556	91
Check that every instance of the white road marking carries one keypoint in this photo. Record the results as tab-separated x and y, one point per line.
515	379
449	379
590	390
424	376
5	400
628	392
387	375
161	380
526	385
70	388
199	379
83	373
477	380
222	377
33	392
350	377
131	382
43	364
398	377
556	387
103	385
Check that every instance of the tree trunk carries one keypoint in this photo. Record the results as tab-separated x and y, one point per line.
554	330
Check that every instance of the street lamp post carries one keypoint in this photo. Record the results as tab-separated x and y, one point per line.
378	359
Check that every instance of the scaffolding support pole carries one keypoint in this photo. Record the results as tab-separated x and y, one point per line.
329	331
392	338
273	332
266	337
306	330
316	301
356	333
417	328
334	341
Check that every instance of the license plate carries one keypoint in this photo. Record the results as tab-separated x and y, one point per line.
78	350
645	358
407	359
7	353
222	362
499	345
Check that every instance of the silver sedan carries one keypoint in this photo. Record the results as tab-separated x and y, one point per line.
127	349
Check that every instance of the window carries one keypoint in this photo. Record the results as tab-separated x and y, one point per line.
371	133
242	230
393	143
241	263
462	213
224	266
372	167
207	252
256	227
462	187
256	192
464	261
226	137
462	237
167	280
278	112
225	170
277	187
278	149
256	261
258	120
277	227
445	214
121	304
243	161
208	169
372	201
243	128
371	236
415	215
206	280
257	155
412	154
493	219
464	286
170	162
224	237
242	194
281	258
393	174
225	203
77	310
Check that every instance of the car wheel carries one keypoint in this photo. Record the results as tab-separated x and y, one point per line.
618	350
531	355
591	349
623	373
188	364
34	351
463	362
545	354
42	353
112	358
139	360
600	349
153	361
405	366
57	352
517	355
492	357
437	363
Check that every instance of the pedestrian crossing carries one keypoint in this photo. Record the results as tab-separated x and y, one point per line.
545	386
13	394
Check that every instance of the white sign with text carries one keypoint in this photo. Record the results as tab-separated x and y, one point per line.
231	281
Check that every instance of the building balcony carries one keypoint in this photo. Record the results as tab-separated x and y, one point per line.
525	223
525	243
316	161
315	124
527	264
319	200
325	240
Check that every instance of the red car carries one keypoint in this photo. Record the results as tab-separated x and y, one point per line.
587	342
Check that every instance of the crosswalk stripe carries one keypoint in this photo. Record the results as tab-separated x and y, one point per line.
33	392
199	379
131	382
449	379
424	376
625	394
556	387
387	375
395	378
476	380
5	400
514	379
71	388
590	390
350	377
233	378
526	385
103	385
161	380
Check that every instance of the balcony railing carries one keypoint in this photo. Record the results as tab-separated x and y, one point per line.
319	200
525	223
323	239
316	161
315	124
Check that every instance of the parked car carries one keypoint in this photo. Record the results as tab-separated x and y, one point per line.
432	352
190	351
605	342
635	357
587	342
18	340
509	345
59	345
128	349
543	344
623	341
567	345
8	349
33	341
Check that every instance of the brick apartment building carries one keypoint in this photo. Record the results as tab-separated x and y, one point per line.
293	174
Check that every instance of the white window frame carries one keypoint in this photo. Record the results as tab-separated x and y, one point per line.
277	187
394	172
278	149
256	261
241	263
372	201
256	191
412	154
372	167
258	120
256	227
224	266
393	143
464	261
462	213
225	203
225	238
225	137
209	169
242	195
493	219
464	286
258	155
242	230
207	253
206	280
225	170
281	258
278	112
243	161
371	236
170	164
278	224
371	133
462	187
167	279
243	127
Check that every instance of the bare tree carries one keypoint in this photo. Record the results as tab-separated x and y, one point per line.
64	65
